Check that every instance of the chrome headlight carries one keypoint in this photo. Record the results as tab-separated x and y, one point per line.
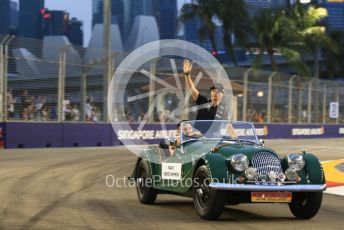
239	162
291	174
296	161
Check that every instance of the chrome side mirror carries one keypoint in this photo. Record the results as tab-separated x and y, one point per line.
261	142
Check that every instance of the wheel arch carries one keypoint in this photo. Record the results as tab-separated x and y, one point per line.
217	166
314	169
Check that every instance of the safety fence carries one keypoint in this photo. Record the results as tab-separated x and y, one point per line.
53	81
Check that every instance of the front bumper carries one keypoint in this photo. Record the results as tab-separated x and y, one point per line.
270	188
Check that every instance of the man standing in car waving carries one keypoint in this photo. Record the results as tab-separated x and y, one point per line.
214	110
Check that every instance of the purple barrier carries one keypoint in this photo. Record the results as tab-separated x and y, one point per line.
2	135
33	135
289	131
40	135
87	135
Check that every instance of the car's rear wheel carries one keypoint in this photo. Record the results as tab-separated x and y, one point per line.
144	184
305	205
208	203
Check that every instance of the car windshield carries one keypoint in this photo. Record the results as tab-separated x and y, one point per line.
218	130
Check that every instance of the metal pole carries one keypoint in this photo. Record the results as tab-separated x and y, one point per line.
152	87
309	103
83	95
244	106
2	79
107	55
316	76
61	84
2	83
299	105
270	98
324	104
5	77
290	99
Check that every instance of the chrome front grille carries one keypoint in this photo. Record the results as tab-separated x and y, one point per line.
265	162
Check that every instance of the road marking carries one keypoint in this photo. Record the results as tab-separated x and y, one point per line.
336	191
334	177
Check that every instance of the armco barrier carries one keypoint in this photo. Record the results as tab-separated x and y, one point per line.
41	135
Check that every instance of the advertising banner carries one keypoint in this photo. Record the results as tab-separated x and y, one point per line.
42	135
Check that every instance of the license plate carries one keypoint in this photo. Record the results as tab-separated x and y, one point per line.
282	197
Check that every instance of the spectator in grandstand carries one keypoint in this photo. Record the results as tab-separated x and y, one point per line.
46	110
67	112
141	116
304	115
257	117
277	116
75	113
24	97
39	106
130	118
25	114
215	110
10	104
94	112
88	109
28	113
53	112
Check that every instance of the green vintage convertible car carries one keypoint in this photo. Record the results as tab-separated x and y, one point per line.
218	163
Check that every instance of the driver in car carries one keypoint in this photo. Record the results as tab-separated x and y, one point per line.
189	132
186	131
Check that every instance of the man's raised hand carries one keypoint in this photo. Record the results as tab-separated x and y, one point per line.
187	66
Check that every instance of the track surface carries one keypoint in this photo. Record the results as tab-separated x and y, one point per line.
66	189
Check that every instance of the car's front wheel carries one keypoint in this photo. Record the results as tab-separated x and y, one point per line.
305	205
208	203
144	184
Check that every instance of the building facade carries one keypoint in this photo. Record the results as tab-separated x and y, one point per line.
55	22
165	13
117	12
254	7
30	20
5	17
191	34
75	32
335	18
13	17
